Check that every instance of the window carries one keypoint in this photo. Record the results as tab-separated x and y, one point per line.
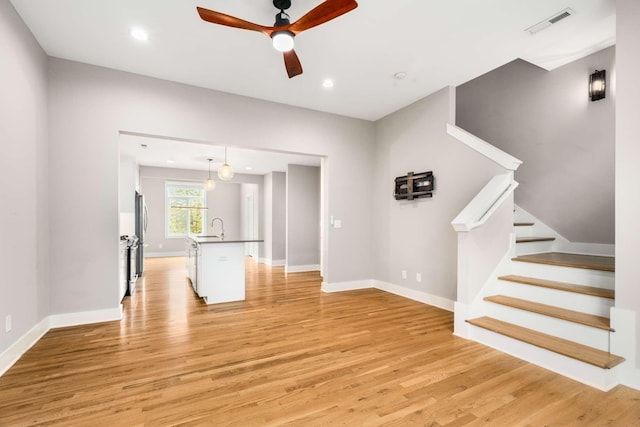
186	204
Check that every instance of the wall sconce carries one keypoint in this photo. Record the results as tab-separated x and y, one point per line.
597	85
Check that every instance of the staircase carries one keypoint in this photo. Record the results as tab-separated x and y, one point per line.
552	310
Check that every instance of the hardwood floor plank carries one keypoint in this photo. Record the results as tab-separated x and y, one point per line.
288	355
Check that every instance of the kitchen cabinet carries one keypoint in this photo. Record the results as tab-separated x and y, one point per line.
219	269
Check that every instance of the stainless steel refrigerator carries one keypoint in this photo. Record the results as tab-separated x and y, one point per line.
142	220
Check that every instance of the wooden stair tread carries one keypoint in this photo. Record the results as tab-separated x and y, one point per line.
590	262
534	239
562	286
583	353
523	224
552	311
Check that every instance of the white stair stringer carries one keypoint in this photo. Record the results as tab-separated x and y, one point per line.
602	379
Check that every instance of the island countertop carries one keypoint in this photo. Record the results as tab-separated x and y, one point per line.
216	239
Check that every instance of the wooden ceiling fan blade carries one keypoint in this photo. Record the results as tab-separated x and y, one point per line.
231	21
324	12
292	63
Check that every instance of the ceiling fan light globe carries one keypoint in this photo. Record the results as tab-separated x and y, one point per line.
225	172
282	41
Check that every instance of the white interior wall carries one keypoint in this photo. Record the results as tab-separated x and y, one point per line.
102	102
627	179
24	217
302	218
417	236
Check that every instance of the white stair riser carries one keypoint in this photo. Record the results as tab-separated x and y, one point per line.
578	276
534	247
524	231
586	335
568	300
603	379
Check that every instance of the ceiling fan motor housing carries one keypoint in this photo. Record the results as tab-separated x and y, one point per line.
282	4
282	19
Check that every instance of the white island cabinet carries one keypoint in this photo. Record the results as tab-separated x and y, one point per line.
219	268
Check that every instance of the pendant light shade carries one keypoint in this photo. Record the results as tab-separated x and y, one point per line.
225	172
209	184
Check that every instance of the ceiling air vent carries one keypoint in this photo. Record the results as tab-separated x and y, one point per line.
554	19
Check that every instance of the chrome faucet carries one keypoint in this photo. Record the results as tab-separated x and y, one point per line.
221	226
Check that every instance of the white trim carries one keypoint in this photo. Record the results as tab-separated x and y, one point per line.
85	317
15	351
301	268
623	343
164	254
391	288
413	294
485	203
262	260
505	160
275	262
346	286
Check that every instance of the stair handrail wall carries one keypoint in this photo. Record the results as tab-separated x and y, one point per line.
484	227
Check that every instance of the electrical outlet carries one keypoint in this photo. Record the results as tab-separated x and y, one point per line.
7	323
404	274
159	245
418	277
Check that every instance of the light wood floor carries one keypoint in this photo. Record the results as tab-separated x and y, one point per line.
288	355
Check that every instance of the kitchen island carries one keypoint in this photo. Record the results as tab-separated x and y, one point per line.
215	267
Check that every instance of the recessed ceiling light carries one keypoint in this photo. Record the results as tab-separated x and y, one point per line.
170	161
248	168
327	83
139	34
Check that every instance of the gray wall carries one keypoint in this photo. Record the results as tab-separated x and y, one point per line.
24	259
303	216
275	202
566	142
417	236
101	102
223	202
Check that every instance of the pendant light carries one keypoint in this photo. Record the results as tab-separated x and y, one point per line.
225	172
209	184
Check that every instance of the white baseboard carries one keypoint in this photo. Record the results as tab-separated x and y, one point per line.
275	262
346	286
420	296
301	268
10	356
262	260
163	254
411	294
85	317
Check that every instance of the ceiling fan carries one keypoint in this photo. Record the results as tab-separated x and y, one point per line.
283	32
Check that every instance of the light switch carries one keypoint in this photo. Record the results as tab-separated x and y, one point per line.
337	223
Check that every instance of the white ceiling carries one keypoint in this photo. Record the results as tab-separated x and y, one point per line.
437	43
169	153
